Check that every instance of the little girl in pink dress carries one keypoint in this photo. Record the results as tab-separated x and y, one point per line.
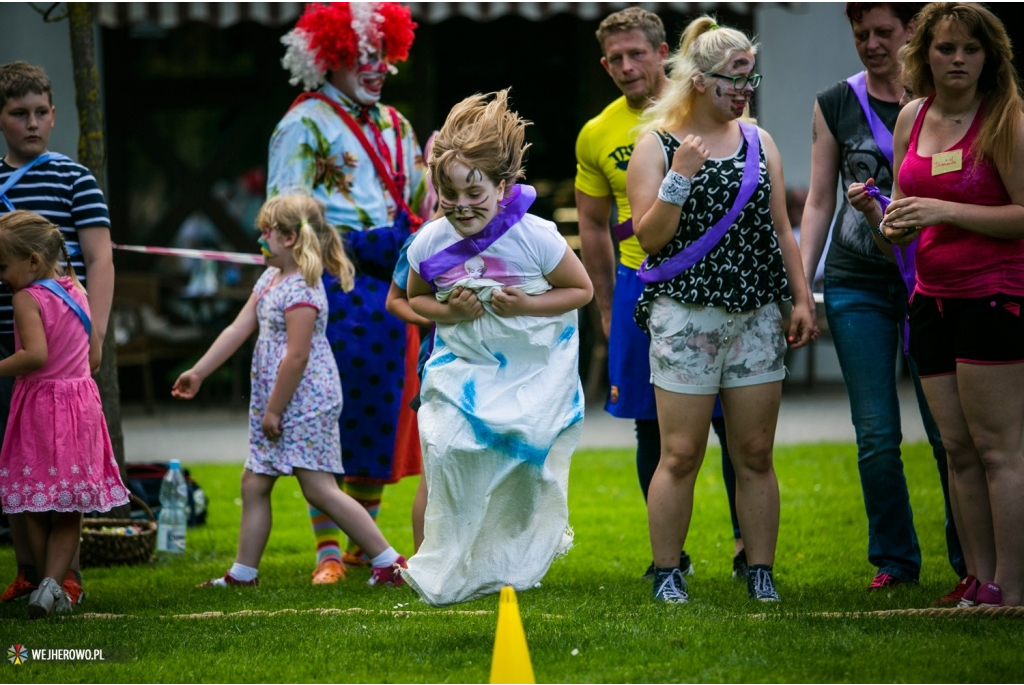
56	461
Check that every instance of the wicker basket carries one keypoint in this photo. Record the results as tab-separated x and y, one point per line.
106	549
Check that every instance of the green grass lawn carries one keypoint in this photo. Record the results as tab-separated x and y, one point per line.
592	621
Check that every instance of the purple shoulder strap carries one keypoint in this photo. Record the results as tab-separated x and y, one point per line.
699	248
513	207
882	135
904	262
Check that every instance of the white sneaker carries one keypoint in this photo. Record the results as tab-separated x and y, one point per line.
48	599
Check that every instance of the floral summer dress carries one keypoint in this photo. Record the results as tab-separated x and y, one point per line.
57	454
309	425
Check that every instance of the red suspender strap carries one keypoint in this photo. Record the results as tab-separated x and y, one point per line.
400	165
383	172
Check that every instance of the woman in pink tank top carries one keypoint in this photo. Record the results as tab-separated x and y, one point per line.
959	161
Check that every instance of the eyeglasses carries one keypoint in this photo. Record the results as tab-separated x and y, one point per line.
740	82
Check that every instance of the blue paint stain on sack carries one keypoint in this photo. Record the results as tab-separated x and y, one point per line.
567	334
510	445
441	359
502	360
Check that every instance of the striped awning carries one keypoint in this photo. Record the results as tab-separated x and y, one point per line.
223	14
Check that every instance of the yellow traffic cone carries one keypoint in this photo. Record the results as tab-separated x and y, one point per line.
511	662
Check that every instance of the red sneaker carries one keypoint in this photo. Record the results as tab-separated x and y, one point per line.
970	597
957	594
389	575
228	580
19	589
883	581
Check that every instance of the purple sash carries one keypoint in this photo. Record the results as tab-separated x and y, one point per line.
882	135
623	231
883	139
904	262
513	207
699	248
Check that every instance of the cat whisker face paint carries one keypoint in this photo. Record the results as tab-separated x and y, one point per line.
472	200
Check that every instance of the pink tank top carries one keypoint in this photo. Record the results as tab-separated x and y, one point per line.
951	261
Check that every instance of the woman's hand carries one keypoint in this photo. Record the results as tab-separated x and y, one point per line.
802	326
509	301
908	215
271	425
466	304
187	385
690	156
859	198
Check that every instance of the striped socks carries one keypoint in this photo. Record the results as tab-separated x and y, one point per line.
327	534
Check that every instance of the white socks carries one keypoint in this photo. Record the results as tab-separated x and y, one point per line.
383	560
242	572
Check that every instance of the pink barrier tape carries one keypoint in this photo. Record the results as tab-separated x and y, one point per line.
215	255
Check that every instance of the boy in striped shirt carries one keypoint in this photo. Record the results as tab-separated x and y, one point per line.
64	192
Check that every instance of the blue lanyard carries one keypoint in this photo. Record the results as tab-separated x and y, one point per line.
16	175
54	287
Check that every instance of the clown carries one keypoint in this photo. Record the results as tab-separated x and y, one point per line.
362	161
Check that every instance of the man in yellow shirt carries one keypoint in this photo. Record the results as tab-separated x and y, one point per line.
633	51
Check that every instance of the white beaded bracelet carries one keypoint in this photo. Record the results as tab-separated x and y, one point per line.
674	189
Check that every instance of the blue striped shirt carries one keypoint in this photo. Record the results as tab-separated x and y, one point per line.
65	193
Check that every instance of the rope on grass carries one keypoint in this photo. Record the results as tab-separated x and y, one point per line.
323	611
935	612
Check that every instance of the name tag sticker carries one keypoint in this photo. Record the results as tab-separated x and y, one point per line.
945	162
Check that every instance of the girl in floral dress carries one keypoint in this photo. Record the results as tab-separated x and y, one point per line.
296	393
56	461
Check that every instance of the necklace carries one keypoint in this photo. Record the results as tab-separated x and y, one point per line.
960	119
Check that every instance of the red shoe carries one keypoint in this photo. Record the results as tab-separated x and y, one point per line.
389	575
970	595
19	589
73	589
957	594
883	581
228	580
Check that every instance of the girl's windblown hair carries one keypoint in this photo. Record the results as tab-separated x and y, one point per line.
317	246
23	234
483	134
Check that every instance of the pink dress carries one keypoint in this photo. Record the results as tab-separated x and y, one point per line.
57	454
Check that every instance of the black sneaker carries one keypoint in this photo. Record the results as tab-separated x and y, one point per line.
760	584
670	586
739	565
685	567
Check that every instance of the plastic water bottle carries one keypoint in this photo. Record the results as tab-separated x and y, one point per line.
170	534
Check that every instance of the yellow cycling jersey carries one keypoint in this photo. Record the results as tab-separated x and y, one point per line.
602	153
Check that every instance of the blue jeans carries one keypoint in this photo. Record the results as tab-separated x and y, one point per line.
866	321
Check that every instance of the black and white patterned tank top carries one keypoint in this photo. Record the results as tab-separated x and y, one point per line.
744	270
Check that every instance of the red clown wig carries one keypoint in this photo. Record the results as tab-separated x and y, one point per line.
333	36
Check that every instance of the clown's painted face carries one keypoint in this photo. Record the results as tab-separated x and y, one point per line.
365	81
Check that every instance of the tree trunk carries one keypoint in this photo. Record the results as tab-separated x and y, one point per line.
91	153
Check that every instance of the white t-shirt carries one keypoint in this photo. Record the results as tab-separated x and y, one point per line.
530	249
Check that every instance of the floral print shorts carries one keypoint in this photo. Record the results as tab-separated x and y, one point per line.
696	350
